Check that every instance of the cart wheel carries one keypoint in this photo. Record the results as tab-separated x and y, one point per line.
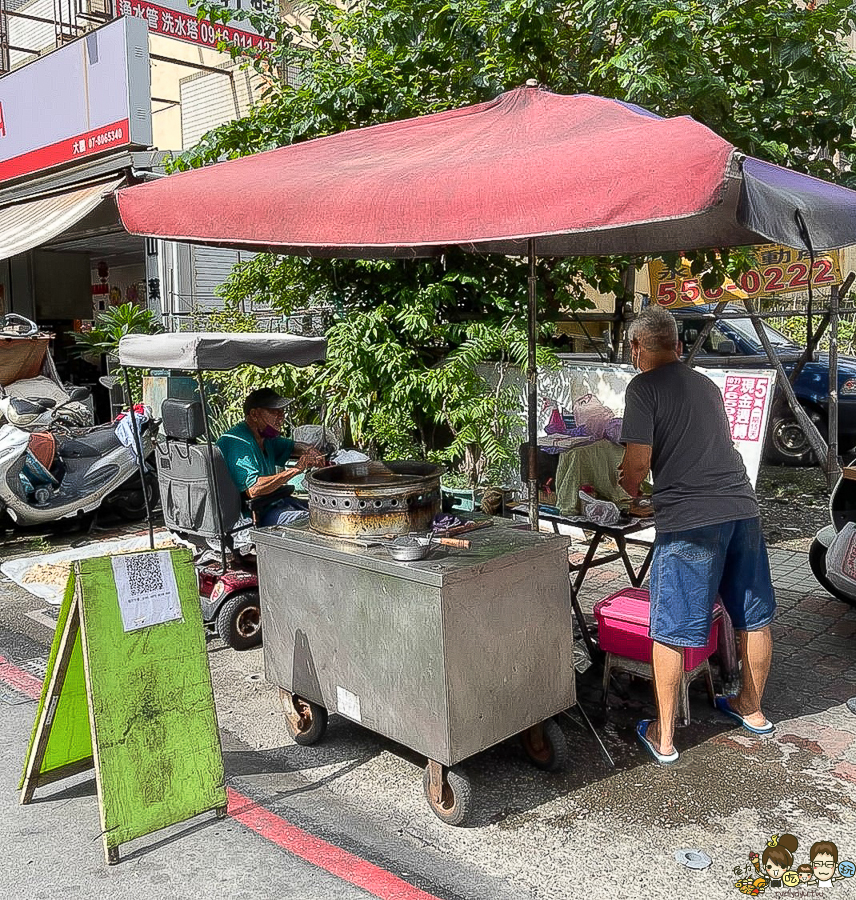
306	721
457	798
239	621
546	746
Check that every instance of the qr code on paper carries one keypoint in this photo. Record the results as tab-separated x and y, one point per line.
144	573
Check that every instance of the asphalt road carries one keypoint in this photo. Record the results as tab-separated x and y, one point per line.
611	832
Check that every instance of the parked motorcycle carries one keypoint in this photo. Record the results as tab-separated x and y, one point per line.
30	386
67	473
842	510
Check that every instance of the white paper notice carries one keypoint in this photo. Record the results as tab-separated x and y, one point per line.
348	704
145	584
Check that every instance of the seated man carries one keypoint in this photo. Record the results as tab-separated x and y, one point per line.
253	450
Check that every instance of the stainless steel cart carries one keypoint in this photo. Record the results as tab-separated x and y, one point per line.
447	656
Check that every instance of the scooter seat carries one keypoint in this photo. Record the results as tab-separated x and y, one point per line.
94	444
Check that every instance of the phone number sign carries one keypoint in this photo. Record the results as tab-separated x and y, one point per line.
176	24
779	270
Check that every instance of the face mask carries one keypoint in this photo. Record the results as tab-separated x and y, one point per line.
270	432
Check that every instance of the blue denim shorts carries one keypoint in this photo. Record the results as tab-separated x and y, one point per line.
688	570
284	511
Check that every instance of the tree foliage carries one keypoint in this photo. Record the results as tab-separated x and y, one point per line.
774	77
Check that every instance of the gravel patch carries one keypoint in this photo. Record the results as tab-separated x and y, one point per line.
794	505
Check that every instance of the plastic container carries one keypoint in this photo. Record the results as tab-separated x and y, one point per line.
622	625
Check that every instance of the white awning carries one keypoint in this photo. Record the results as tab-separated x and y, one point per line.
217	351
31	223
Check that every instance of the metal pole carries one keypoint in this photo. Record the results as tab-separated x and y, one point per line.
215	486
532	390
141	463
818	444
705	331
832	468
628	294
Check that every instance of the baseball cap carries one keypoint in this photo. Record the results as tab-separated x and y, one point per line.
264	398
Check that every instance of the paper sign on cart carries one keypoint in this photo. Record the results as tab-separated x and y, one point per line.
146	589
348	704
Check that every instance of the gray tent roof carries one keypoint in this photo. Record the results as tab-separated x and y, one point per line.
219	351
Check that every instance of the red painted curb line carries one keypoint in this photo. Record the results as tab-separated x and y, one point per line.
320	853
274	828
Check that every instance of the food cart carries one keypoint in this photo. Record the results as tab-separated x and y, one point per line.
448	655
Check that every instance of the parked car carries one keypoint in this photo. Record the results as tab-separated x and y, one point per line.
733	343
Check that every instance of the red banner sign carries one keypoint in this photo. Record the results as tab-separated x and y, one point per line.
175	24
76	147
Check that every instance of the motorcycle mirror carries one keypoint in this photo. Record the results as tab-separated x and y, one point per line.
109	381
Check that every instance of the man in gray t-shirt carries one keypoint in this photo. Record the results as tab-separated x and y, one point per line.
709	537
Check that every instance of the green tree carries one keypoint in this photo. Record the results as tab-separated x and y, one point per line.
109	328
772	76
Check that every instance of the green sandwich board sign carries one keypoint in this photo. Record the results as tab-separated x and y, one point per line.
128	692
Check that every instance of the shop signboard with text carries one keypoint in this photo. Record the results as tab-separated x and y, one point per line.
90	96
176	19
778	270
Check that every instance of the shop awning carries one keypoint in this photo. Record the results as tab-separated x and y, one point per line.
31	223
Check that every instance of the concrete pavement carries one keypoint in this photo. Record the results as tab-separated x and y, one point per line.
609	832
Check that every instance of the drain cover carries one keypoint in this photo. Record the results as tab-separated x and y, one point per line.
851	705
692	859
37	666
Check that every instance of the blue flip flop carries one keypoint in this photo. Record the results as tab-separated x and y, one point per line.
724	706
642	735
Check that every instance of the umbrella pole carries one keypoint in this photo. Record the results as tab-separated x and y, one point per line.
532	390
832	468
141	463
217	506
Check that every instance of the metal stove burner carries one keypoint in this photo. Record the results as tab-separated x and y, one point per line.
374	498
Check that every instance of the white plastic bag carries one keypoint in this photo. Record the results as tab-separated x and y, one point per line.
601	512
841	560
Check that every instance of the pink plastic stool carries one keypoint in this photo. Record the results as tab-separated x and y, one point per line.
623	620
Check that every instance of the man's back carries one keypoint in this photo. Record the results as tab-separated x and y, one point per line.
699	477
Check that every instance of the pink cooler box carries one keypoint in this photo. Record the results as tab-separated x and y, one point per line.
622	625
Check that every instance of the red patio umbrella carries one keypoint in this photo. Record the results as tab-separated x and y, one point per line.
530	172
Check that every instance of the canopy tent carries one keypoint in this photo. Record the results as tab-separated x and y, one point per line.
582	175
218	352
211	351
530	172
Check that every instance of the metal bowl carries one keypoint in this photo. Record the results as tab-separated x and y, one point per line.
409	548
